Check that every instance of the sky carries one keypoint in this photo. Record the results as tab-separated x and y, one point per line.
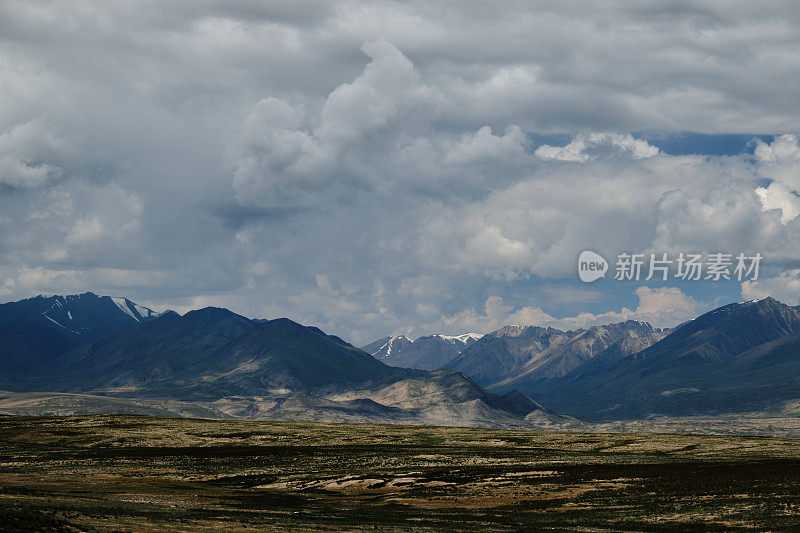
377	168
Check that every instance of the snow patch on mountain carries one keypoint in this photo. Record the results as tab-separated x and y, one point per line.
145	312
463	338
53	321
122	303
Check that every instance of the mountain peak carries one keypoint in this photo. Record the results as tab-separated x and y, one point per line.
208	315
283	321
88	294
87	301
524	331
770	301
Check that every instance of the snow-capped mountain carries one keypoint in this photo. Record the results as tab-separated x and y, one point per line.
425	353
34	329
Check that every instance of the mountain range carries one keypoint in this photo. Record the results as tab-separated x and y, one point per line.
89	353
520	354
740	358
223	364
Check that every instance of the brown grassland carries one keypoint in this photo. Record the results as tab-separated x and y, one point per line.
133	473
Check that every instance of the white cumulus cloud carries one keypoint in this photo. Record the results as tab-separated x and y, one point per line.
784	287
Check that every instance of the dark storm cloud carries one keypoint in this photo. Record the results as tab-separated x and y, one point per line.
237	216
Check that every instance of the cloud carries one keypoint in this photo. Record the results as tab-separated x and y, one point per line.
40	280
26	155
779	196
495	315
72	222
275	160
780	161
662	307
388	86
485	146
281	155
664	303
373	167
784	287
581	147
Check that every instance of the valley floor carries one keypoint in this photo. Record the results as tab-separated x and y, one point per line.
135	473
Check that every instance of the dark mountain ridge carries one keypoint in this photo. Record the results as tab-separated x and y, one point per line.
225	363
36	331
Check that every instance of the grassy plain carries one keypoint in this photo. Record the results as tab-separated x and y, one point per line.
133	473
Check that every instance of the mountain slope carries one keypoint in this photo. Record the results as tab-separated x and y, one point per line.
504	352
724	332
86	314
149	352
444	397
610	343
211	353
281	354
